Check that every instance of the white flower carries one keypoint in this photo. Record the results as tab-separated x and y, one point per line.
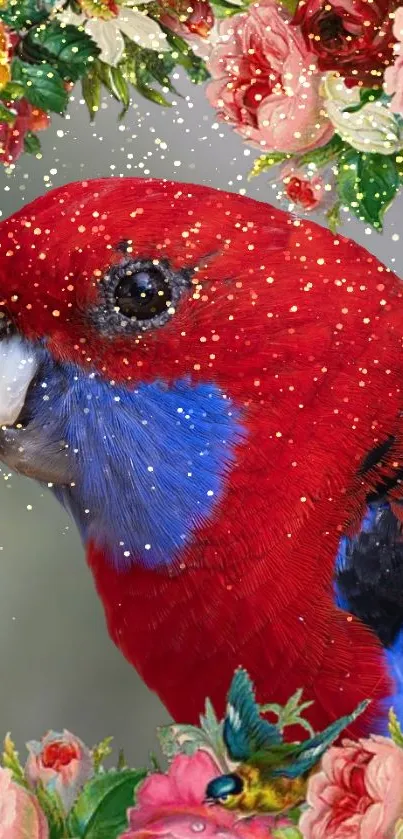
373	128
108	36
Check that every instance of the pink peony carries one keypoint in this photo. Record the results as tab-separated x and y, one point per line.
20	814
172	805
266	83
62	763
394	74
358	792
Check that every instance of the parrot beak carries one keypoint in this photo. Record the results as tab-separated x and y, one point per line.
26	446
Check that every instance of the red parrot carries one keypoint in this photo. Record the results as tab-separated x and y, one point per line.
213	389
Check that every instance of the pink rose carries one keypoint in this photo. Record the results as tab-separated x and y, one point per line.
62	763
394	75
266	83
172	805
358	792
20	814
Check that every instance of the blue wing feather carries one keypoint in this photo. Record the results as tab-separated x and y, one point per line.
245	732
310	752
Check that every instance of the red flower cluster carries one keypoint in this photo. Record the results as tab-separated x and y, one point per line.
352	36
12	135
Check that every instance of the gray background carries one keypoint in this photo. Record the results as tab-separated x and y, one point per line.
58	667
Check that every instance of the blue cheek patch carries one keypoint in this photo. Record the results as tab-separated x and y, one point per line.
152	461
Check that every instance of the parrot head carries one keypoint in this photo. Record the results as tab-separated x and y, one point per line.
123	305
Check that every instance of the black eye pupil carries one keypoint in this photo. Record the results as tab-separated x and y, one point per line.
142	294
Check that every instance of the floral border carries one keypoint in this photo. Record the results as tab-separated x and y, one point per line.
353	788
315	86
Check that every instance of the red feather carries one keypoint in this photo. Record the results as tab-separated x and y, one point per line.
304	331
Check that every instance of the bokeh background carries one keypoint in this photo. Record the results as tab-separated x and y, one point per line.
58	667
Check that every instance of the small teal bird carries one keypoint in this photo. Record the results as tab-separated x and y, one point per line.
271	775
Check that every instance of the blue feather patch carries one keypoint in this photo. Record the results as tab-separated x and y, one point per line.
152	461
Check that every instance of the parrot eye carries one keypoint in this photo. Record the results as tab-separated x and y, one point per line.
140	294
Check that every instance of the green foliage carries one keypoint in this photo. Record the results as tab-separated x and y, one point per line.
100	752
291	713
21	14
367	185
317	157
224	8
43	87
113	79
143	68
92	89
185	57
69	49
6	115
53	809
12	92
32	143
266	162
324	154
100	811
395	730
366	95
11	761
187	739
333	217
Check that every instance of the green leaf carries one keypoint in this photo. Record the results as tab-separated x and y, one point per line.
144	88
112	78
287	833
21	14
188	739
223	8
290	5
333	217
6	115
366	95
367	185
291	713
70	49
11	761
183	55
399	164
322	156
32	143
12	92
42	85
100	811
91	90
395	730
100	752
267	161
52	806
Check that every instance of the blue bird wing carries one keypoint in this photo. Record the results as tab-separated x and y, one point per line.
245	731
307	754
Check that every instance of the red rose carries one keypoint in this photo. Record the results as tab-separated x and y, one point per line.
352	36
195	16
